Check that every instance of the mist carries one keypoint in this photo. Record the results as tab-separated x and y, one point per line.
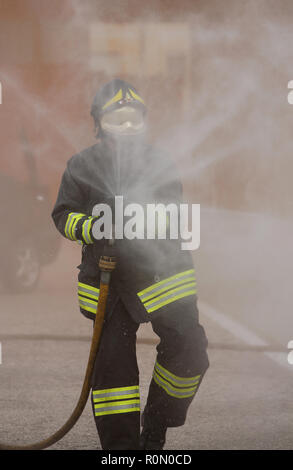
214	76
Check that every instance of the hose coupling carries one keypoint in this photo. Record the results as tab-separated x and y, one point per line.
107	263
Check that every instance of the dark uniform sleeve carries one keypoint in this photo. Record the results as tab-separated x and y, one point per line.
69	213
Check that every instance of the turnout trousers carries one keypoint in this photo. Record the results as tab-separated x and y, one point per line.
179	367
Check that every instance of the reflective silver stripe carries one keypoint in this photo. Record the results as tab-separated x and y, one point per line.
178	381
125	406
69	218
95	290
115	395
76	219
171	390
68	225
173	294
119	407
86	226
89	309
91	292
159	285
87	304
117	389
167	285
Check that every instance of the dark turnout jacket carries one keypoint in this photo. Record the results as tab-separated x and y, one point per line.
152	276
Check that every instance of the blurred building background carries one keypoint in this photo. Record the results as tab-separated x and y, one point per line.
214	75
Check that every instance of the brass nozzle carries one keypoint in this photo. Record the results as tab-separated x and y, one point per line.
107	263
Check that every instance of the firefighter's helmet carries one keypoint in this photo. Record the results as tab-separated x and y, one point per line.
118	109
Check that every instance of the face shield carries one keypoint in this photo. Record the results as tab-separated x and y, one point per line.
125	121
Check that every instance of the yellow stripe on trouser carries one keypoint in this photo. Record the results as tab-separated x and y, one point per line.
115	394
126	406
88	290
173	392
170	296
170	289
87	304
174	379
175	386
116	400
166	284
86	293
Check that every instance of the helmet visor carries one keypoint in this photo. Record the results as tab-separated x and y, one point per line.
124	121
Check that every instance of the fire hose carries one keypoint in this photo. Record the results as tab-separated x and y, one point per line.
107	264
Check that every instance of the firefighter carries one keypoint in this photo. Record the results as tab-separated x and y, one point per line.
154	280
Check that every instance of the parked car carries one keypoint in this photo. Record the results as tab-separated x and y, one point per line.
29	240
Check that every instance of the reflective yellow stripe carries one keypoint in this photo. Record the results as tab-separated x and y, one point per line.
116	394
165	281
135	96
113	100
88	286
87	304
174	379
88	291
110	390
65	229
76	219
168	286
69	219
92	302
125	407
86	226
116	397
173	392
89	227
72	219
127	410
86	294
116	403
89	309
170	296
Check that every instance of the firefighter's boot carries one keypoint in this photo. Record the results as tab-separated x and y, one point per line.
153	435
